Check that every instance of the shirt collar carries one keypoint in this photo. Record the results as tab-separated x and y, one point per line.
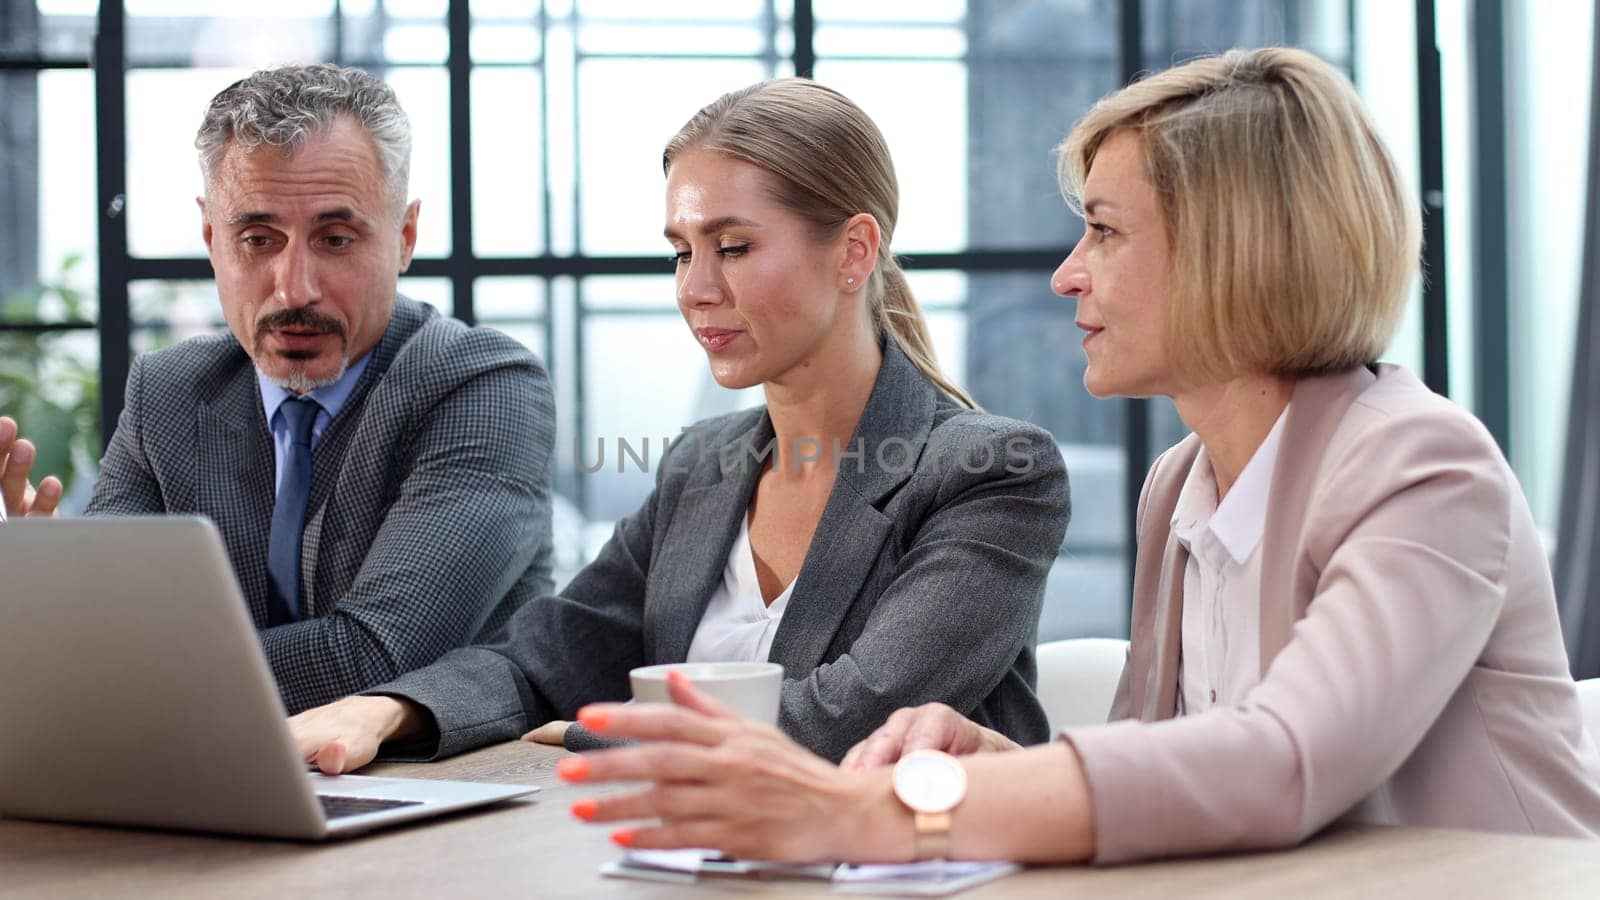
1239	521
331	398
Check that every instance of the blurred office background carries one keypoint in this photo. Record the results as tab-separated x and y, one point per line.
539	128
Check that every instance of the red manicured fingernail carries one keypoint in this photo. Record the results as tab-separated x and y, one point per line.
573	768
622	837
586	809
594	719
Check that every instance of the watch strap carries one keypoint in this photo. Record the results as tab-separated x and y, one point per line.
932	835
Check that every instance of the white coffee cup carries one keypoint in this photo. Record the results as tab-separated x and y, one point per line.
750	689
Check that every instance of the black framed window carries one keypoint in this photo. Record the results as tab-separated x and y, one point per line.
49	257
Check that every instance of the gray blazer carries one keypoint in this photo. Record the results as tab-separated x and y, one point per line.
923	583
429	518
1412	669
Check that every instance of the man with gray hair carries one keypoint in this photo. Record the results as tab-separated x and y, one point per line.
380	474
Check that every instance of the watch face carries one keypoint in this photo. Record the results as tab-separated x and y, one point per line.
929	781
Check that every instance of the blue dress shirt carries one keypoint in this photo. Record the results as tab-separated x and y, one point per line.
331	398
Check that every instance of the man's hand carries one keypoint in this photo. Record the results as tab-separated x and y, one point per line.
932	726
17	495
344	735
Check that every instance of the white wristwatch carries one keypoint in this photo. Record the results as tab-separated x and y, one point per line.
931	783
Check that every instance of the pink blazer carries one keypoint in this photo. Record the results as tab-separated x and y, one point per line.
1412	668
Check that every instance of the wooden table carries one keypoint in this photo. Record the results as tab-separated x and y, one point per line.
533	848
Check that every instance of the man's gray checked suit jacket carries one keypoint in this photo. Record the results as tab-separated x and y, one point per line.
429	518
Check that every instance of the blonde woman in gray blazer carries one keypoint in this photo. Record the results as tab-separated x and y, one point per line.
908	533
1341	610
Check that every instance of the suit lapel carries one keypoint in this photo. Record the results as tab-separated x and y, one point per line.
235	489
327	461
695	550
849	537
1157	626
1315	411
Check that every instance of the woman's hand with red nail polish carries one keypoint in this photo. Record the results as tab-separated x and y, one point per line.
743	788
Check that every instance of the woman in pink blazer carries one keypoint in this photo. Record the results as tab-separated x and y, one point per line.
1341	606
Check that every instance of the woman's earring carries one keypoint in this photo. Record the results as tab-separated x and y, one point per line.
850	281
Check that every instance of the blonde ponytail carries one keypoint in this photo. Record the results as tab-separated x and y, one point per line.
897	314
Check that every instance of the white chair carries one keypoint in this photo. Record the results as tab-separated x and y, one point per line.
1078	678
1589	699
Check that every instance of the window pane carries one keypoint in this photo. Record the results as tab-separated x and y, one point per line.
1547	118
1175	30
416	44
166	312
889	41
655	39
508	299
68	227
279	9
681	10
425	95
164	110
927	135
652	292
418	9
943	296
508	191
517	306
505	9
1013	198
528	334
176	33
630	108
50	383
188	32
52	29
512	39
47	202
889	11
402	31
435	292
1086	592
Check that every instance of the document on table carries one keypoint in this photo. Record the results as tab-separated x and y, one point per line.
928	879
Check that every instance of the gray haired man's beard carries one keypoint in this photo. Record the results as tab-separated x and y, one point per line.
298	382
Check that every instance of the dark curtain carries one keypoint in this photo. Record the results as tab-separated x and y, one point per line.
1577	570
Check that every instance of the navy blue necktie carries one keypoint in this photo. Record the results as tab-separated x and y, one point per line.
289	513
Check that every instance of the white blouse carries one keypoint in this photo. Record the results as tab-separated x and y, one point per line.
1221	628
738	625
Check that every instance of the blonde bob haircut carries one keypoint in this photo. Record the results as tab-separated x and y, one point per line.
1293	241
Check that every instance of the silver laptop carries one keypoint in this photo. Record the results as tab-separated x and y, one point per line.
133	691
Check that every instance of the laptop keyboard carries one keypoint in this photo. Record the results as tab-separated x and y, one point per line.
337	807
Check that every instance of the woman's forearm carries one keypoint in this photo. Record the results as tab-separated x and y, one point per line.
1031	805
